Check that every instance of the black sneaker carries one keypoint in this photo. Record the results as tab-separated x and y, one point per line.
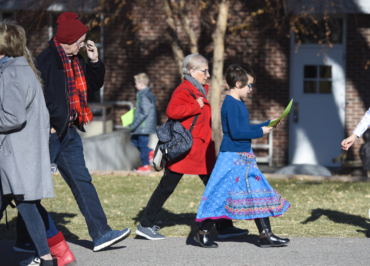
24	247
232	232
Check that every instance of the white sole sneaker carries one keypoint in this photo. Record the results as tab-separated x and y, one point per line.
113	241
31	262
148	237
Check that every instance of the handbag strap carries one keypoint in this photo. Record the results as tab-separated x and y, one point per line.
196	117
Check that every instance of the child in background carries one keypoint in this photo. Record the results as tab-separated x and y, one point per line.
237	189
145	121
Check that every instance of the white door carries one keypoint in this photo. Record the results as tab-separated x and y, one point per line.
317	85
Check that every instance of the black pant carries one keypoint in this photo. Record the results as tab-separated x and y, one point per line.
163	191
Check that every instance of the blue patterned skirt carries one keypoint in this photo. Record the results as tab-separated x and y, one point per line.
238	190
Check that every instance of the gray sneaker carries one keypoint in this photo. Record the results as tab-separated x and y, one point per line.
149	232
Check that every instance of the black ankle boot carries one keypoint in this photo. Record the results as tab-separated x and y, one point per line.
270	240
273	241
203	238
53	262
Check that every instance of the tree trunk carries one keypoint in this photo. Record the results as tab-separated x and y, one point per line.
217	73
176	49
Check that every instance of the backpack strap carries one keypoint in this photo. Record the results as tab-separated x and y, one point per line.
163	160
196	117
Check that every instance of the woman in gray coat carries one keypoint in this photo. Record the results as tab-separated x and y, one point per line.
24	135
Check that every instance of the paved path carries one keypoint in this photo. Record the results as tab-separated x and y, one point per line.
241	251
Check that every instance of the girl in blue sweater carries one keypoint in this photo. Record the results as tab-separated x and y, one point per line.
237	189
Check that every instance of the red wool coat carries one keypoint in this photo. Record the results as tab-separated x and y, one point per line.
201	159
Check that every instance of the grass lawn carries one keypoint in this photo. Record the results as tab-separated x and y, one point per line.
326	209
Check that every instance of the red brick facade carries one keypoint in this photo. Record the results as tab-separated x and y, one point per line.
357	74
137	41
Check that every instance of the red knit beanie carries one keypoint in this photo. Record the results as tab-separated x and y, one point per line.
70	29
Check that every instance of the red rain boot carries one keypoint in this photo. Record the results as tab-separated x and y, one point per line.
60	250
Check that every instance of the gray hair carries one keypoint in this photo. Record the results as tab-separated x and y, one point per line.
192	61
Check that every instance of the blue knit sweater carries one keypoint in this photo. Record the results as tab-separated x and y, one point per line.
238	133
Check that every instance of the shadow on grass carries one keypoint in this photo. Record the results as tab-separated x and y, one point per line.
60	221
341	217
166	218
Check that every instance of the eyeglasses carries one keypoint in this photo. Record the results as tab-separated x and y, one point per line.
82	44
205	71
249	85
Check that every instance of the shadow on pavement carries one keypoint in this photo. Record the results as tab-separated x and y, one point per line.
88	244
250	239
166	218
341	217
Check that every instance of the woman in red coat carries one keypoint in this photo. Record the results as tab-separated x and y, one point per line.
200	159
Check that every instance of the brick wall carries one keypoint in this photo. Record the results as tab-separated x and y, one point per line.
37	30
149	50
357	75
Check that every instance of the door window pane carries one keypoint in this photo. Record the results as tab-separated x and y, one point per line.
310	71
317	79
325	72
325	87
310	87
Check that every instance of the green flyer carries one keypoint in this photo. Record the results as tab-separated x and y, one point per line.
128	118
287	110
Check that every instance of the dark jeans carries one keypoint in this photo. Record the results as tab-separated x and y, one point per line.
35	224
68	155
141	143
22	233
163	191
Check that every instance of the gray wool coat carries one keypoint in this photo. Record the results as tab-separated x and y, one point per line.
24	134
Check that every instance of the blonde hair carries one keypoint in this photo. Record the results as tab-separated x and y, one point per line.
142	77
13	44
193	61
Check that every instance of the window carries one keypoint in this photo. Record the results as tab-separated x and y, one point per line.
314	31
317	79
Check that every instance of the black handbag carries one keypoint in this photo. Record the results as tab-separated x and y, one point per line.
173	140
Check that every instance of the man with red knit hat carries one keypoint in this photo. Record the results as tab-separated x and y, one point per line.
67	80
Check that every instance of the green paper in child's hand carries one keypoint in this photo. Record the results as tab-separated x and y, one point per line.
287	110
128	118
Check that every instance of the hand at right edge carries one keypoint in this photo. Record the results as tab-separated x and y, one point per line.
348	142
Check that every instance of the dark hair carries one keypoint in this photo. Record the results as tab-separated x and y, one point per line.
235	73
